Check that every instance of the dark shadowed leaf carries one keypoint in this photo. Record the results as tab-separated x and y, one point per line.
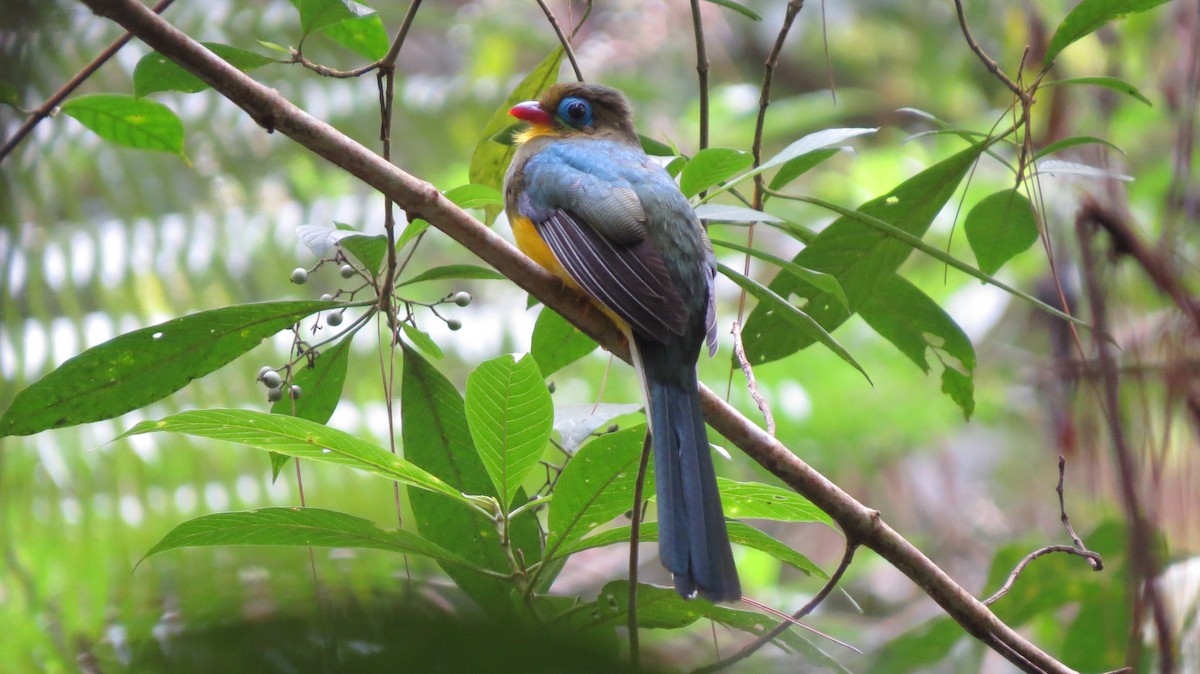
155	72
318	14
140	367
322	390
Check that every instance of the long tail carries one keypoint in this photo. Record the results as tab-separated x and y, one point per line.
693	543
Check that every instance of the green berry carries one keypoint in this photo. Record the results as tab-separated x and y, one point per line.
299	276
462	298
347	271
453	323
295	392
274	395
333	318
271	379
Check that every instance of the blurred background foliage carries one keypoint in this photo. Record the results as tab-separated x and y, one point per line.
96	240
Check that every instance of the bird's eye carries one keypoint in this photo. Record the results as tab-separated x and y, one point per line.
575	111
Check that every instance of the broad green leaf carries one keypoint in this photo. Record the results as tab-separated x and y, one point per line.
1000	226
596	486
656	148
797	167
414	229
818	280
133	122
313	527
455	271
436	437
754	500
799	322
728	213
1088	16
422	341
318	14
364	35
1074	141
155	72
321	379
370	250
490	159
300	438
739	8
858	255
711	166
917	326
135	369
1113	83
663	608
510	416
556	343
475	196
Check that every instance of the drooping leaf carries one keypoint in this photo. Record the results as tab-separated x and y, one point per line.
436	437
455	271
510	416
364	35
859	256
1113	83
411	232
299	438
490	159
797	167
556	343
1059	167
596	486
422	341
140	367
798	321
155	72
711	166
297	527
819	280
1074	141
133	122
804	147
475	196
1089	15
739	8
999	227
322	390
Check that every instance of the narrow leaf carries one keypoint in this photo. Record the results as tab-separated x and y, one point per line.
133	122
1070	168
556	343
1113	83
135	369
414	229
1074	141
999	227
422	341
711	166
819	280
306	527
739	8
797	167
510	416
455	271
321	379
1088	16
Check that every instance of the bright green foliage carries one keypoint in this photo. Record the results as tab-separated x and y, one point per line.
1088	16
455	271
155	73
140	367
712	166
422	341
510	414
1000	226
475	196
364	35
556	343
132	122
322	383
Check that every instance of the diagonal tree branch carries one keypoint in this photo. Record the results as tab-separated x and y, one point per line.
421	199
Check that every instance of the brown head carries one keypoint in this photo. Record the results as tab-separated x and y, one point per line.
575	109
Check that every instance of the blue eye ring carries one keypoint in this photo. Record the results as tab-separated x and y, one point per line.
575	112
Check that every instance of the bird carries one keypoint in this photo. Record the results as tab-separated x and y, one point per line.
586	203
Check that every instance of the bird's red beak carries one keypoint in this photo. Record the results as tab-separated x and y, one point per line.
530	111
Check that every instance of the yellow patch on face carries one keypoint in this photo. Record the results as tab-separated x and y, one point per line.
533	131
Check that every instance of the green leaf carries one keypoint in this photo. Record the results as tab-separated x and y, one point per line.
475	196
1088	16
916	325
9	95
135	369
322	383
1074	141
508	135
490	159
414	229
711	166
455	271
318	14
739	8
1000	226
799	322
370	250
297	527
1112	83
754	500
436	437
510	415
364	35
155	72
797	167
806	146
133	122
858	255
300	438
656	148
556	343
422	341
925	645
596	486
818	280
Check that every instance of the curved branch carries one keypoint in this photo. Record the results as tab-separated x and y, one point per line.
422	199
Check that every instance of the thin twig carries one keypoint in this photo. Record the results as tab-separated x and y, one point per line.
701	70
563	39
634	539
47	109
988	61
752	647
739	351
1094	558
1096	561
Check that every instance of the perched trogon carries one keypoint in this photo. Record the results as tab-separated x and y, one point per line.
586	202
